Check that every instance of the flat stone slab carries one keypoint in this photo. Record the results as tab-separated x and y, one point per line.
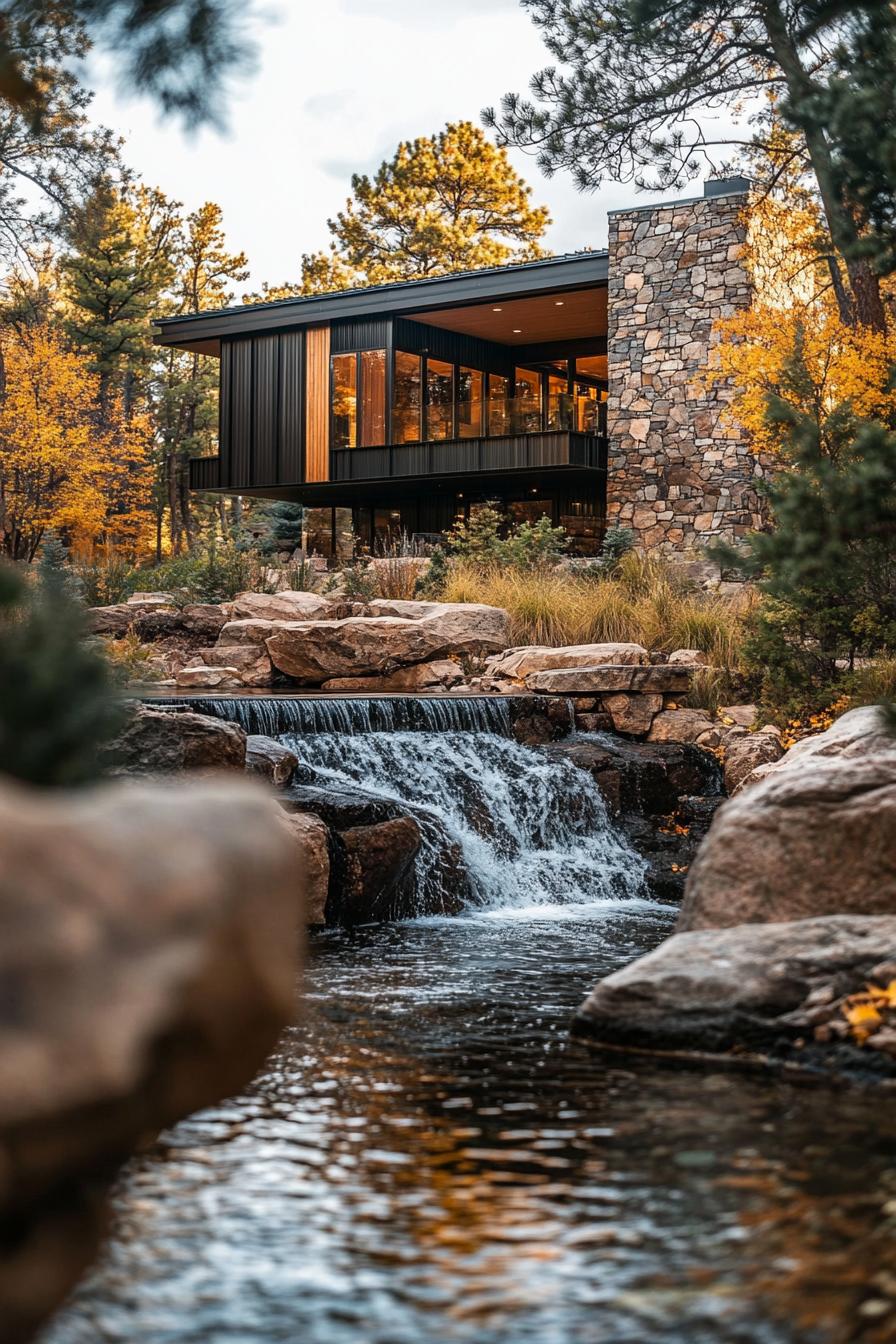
610	680
745	986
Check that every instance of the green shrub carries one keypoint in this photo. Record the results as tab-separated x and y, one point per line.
57	704
212	572
487	541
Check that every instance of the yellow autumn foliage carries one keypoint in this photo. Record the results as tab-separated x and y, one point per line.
64	465
844	364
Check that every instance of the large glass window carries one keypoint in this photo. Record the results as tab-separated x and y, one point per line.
440	399
469	403
406	399
373	398
498	404
527	412
345	401
558	396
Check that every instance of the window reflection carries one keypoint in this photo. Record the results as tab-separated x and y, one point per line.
440	399
345	401
498	404
527	412
558	397
406	399
469	403
373	398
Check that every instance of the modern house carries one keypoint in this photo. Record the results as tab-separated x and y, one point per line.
569	386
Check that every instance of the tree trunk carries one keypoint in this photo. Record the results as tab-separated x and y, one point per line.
864	304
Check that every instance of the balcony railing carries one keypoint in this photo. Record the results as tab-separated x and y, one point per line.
455	457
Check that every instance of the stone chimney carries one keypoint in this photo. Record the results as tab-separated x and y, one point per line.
678	473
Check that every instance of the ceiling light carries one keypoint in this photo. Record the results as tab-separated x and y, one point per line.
558	303
496	310
517	331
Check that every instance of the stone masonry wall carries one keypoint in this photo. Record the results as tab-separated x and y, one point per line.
679	474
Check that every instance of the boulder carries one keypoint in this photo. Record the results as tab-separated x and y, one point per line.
814	837
151	600
633	713
269	758
199	677
158	741
439	675
610	679
205	619
536	720
742	987
249	630
406	609
250	661
744	716
375	865
314	652
688	658
680	725
311	838
115	621
517	664
744	754
148	952
285	606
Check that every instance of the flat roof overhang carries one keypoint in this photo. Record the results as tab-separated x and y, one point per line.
203	331
346	493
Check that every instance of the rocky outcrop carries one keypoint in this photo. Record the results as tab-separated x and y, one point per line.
310	838
517	664
814	837
270	759
744	754
663	798
284	606
250	662
148	953
168	741
115	621
659	679
754	988
313	652
679	725
442	674
375	868
203	678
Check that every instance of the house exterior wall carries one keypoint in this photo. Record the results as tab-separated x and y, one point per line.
679	473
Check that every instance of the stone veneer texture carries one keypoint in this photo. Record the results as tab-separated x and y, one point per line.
680	473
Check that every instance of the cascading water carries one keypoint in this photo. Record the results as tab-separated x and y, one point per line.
530	831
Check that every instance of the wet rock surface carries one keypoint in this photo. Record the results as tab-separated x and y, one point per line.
373	872
663	797
753	990
167	741
269	758
815	836
148	956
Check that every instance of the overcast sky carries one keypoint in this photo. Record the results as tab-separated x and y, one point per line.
337	85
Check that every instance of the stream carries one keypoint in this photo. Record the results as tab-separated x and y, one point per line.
429	1155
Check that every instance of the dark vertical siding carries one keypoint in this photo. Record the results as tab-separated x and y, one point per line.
370	333
452	346
224	420
292	413
265	408
241	416
262	409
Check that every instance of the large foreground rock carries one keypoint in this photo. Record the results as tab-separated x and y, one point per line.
816	836
148	953
312	652
165	741
714	990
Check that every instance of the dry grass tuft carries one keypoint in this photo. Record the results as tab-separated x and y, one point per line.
645	602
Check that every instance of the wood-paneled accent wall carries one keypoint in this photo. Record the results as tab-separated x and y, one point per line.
317	404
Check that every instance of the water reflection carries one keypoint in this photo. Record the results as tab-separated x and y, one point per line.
429	1156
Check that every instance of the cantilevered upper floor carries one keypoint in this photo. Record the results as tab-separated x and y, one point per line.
489	373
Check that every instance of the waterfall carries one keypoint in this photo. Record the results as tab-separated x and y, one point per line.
503	826
273	715
531	831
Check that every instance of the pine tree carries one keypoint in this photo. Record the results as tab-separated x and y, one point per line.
442	203
187	383
636	94
278	526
